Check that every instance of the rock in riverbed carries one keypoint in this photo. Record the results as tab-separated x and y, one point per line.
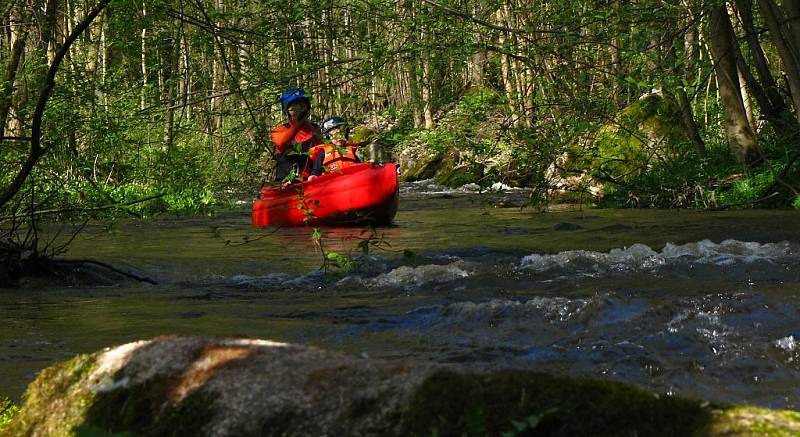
231	386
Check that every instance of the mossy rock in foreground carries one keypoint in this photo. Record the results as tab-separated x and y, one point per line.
207	386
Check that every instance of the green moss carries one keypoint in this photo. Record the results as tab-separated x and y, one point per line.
425	167
457	404
362	134
624	148
54	401
459	176
756	422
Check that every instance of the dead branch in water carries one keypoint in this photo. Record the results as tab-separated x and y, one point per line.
132	275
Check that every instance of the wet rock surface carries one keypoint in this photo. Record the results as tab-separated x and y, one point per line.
234	386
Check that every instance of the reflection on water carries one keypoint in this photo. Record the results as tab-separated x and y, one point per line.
695	303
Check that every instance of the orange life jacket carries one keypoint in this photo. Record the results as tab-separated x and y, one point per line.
339	157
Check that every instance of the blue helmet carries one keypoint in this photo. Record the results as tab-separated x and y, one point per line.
291	95
333	123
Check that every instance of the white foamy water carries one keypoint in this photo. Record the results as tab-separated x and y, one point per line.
431	187
640	257
405	276
788	344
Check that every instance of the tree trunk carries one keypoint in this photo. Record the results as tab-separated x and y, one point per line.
506	73
772	104
792	8
427	93
7	86
741	139
790	56
143	37
687	116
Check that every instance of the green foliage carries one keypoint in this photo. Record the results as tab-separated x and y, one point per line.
796	203
471	143
342	262
8	411
748	189
464	126
527	424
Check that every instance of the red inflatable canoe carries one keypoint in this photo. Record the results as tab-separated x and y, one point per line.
360	193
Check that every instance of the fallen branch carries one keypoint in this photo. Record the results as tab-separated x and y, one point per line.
131	275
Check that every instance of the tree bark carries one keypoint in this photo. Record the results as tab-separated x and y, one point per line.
741	139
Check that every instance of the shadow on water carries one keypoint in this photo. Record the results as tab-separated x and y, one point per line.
592	292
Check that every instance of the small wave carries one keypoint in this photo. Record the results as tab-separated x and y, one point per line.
411	277
271	279
553	309
788	344
640	257
282	281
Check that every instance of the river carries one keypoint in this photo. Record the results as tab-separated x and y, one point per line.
702	304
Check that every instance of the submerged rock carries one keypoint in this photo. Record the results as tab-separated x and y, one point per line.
220	387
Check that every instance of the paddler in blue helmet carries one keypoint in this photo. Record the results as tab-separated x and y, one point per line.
294	139
338	152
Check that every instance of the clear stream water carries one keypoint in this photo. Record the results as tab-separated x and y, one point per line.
703	304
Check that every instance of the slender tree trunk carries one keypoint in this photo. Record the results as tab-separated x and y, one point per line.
688	122
773	17
217	83
184	78
7	86
168	92
505	71
741	139
143	46
427	93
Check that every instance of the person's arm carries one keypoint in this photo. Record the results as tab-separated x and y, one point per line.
283	134
317	159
